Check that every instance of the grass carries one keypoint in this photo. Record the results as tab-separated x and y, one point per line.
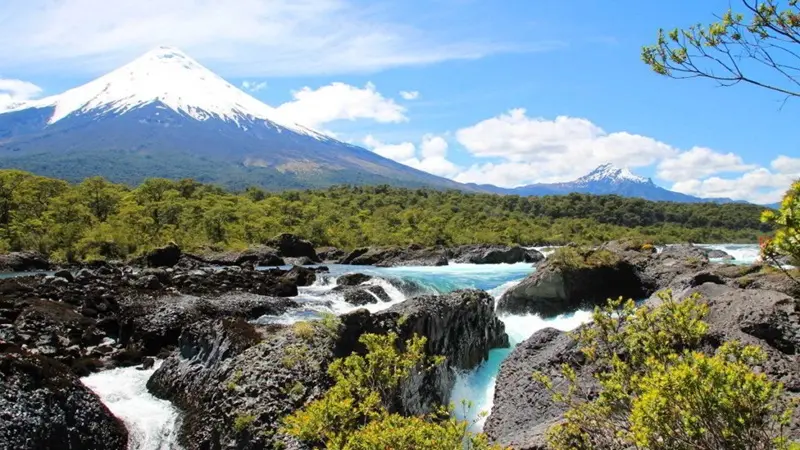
243	421
329	324
294	355
572	258
304	330
234	381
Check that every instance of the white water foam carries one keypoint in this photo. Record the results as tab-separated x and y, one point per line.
743	253
152	423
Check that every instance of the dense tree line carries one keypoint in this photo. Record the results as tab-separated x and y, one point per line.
100	219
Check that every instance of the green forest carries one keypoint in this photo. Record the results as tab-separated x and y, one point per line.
99	219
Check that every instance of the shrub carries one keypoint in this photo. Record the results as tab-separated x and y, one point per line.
243	421
294	355
786	241
330	324
567	258
658	394
304	330
354	413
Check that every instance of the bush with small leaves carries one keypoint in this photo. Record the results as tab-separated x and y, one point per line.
659	394
354	413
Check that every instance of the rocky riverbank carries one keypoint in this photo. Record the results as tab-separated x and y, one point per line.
234	379
752	304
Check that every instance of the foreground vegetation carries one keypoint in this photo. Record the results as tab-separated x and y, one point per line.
100	219
355	412
657	392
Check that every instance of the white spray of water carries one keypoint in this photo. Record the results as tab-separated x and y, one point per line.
152	423
743	253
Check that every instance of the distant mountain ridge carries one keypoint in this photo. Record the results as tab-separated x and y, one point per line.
605	179
165	115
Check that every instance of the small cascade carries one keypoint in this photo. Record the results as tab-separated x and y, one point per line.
152	423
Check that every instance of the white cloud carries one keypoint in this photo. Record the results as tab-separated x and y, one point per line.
431	158
409	95
433	146
757	186
340	101
785	164
398	152
700	162
239	38
539	150
253	86
13	92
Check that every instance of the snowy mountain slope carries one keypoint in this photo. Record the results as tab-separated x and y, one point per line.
164	114
605	179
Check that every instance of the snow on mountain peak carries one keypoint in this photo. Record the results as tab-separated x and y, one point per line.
171	77
610	172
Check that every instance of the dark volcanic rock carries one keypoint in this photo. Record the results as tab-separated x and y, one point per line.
300	276
44	406
115	316
166	256
259	256
156	323
494	254
352	279
330	254
395	256
363	295
523	411
23	262
292	246
557	288
719	254
229	372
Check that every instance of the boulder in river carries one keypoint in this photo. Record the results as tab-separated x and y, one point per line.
292	246
23	262
352	279
413	255
44	406
166	256
363	295
330	254
571	279
494	254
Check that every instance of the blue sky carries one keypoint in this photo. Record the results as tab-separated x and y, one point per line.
509	93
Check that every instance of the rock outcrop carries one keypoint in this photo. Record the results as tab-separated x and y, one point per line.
166	256
23	262
291	246
235	381
115	316
413	255
259	256
494	254
352	279
44	406
330	254
559	287
573	278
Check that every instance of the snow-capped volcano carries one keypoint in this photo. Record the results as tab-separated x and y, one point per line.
604	180
170	77
611	174
165	115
